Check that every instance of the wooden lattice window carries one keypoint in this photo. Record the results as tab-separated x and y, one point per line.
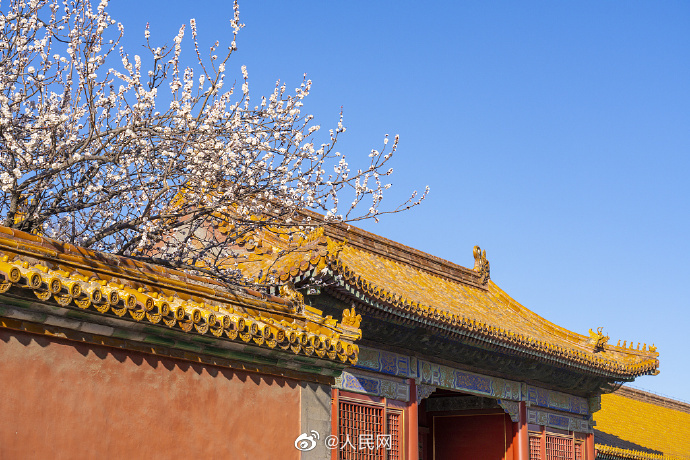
394	420
368	431
579	450
558	447
535	447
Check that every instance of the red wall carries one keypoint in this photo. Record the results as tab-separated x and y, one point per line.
64	400
471	437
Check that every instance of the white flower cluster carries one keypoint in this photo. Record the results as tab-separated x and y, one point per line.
149	159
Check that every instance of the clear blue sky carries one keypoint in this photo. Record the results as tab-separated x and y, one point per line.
556	135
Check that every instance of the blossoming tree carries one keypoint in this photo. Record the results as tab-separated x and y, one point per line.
146	158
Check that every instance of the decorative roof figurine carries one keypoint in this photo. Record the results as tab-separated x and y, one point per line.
598	340
481	265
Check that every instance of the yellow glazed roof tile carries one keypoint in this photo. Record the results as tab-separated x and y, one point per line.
72	277
426	286
487	308
632	422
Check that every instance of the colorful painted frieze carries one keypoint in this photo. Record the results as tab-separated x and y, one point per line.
556	400
559	420
372	385
387	363
437	375
455	379
558	406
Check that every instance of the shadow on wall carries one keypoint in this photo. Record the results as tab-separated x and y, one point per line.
614	441
142	359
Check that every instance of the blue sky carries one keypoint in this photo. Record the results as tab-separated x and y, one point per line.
553	134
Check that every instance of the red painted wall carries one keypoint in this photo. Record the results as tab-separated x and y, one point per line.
66	400
471	437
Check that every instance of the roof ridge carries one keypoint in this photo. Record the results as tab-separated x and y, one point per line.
399	252
652	398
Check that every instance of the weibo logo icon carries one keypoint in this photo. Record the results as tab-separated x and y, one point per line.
306	442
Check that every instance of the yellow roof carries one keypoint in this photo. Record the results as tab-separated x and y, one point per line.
411	281
72	277
636	424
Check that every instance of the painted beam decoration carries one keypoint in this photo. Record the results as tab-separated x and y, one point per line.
558	420
424	391
468	382
372	385
387	363
556	400
428	373
545	407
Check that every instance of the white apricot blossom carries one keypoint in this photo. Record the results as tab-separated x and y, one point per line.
148	159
